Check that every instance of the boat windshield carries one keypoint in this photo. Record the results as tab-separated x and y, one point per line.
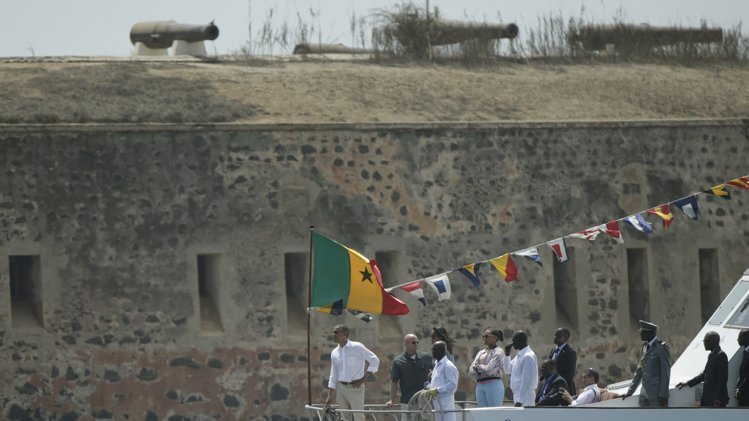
740	317
736	300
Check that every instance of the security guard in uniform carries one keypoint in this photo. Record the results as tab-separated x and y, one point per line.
654	370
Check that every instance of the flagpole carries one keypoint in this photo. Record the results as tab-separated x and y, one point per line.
309	304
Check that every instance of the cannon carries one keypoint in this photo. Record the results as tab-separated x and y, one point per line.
443	32
417	35
627	36
162	34
315	48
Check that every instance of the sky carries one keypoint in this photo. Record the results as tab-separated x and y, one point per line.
102	27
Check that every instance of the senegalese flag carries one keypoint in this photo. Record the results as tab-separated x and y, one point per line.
506	266
664	212
343	274
720	191
336	309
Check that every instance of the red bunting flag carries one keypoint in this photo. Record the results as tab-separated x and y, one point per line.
559	249
506	266
414	288
741	183
587	234
664	212
612	229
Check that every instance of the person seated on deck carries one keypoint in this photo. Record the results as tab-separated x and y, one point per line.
550	393
590	394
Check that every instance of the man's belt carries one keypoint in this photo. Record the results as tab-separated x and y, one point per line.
349	383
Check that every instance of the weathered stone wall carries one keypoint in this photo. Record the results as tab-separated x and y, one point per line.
118	215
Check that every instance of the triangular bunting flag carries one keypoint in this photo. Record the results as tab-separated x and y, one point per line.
559	249
611	229
441	285
689	206
588	234
720	191
639	223
530	254
664	212
365	317
506	266
472	273
414	288
741	183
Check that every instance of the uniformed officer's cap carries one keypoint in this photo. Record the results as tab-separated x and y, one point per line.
647	326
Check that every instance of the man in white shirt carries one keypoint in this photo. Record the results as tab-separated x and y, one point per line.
523	370
349	363
444	383
590	394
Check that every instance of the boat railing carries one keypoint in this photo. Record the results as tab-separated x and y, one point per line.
379	412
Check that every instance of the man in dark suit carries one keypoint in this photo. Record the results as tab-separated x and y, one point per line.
565	358
715	375
551	386
654	370
742	386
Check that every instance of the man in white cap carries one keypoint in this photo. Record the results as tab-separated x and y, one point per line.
654	370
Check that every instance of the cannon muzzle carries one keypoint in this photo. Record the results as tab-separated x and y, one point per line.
161	34
596	37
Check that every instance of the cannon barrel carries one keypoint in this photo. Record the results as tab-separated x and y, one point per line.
161	34
315	48
443	32
596	37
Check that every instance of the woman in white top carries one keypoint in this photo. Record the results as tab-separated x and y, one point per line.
488	371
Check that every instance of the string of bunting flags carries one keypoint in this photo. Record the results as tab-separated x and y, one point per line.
505	264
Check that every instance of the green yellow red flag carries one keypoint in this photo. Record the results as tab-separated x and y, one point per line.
342	274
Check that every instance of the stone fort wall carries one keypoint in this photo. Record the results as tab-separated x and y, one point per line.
159	272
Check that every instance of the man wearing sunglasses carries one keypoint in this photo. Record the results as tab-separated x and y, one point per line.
410	370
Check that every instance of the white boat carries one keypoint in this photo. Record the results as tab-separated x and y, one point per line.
728	320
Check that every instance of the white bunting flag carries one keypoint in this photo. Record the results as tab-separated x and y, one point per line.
441	285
